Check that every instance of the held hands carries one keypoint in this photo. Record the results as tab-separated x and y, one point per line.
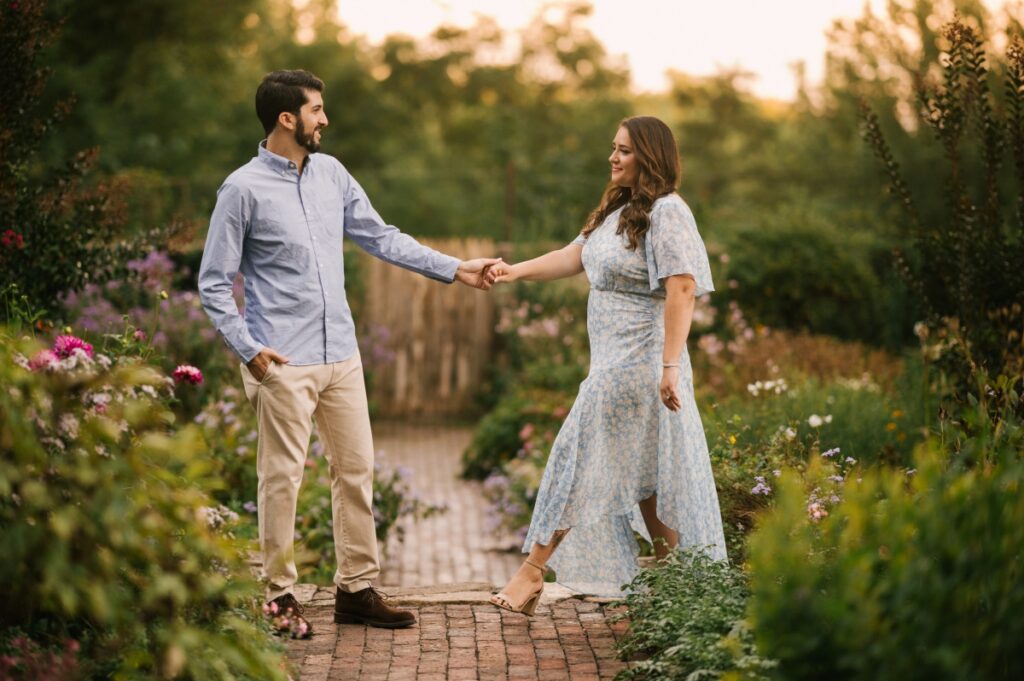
474	273
501	273
667	391
259	364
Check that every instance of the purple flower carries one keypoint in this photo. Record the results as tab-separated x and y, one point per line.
830	453
65	346
249	507
761	487
155	270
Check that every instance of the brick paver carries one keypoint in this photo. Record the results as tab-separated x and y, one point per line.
572	640
455	546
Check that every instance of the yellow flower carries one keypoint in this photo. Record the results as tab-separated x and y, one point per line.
163	295
732	439
896	414
890	426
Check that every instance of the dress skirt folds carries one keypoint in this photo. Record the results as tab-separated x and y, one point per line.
620	444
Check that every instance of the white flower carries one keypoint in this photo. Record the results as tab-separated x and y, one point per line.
68	426
789	433
815	421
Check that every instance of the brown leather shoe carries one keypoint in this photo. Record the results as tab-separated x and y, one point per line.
368	607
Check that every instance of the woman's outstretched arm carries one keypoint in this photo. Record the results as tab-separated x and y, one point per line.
565	262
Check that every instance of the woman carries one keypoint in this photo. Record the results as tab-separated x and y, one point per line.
633	440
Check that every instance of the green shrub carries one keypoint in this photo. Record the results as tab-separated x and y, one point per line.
498	436
912	575
686	619
964	263
854	414
795	269
109	534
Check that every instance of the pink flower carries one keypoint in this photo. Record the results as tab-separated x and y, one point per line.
44	359
65	346
186	373
816	511
526	432
139	335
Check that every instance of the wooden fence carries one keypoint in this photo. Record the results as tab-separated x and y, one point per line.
426	345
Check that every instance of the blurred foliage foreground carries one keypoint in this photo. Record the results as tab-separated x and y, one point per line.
116	555
872	504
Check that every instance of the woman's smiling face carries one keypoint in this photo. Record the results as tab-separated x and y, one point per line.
625	169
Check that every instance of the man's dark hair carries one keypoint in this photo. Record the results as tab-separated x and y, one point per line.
283	91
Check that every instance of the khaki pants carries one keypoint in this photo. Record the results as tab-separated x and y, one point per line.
286	402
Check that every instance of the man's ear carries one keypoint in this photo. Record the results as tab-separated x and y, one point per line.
287	120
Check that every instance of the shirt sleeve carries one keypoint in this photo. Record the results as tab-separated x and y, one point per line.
369	231
579	240
674	246
222	256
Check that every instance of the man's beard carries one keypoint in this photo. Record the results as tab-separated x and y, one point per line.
307	142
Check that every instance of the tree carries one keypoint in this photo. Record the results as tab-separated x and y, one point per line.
62	229
966	267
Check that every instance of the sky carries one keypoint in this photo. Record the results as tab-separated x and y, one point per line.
693	36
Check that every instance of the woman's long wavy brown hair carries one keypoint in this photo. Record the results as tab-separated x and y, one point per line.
658	159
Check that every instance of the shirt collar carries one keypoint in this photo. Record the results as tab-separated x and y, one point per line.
278	163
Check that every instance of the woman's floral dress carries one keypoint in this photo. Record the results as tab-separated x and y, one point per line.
620	444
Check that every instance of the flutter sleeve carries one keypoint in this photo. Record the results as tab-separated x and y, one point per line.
674	246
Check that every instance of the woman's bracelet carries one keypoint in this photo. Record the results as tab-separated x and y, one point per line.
669	366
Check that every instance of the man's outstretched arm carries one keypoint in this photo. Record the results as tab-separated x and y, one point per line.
369	231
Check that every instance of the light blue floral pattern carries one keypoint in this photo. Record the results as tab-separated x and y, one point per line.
620	444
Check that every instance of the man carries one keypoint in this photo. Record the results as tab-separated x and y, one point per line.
280	220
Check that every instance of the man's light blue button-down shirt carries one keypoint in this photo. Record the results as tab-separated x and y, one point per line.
283	231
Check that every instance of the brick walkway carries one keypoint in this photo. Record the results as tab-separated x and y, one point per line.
572	640
451	547
445	570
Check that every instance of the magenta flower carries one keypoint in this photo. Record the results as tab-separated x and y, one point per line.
139	335
65	346
186	373
44	359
